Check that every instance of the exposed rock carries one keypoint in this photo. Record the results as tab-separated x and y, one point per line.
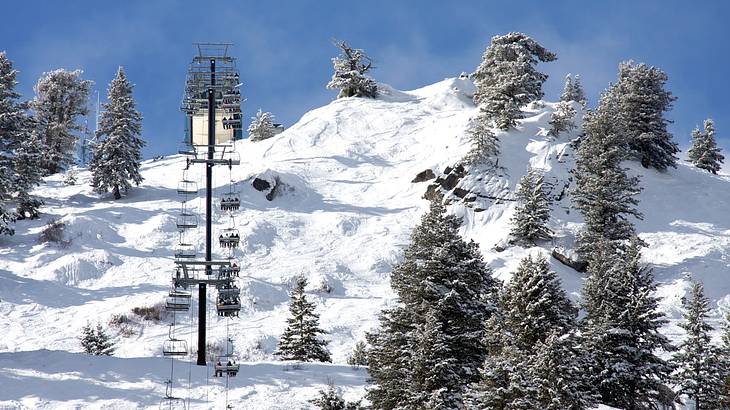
424	175
460	192
431	192
578	265
261	184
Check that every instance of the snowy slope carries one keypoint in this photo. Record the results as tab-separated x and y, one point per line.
344	212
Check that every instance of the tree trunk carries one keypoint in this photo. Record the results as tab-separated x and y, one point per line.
117	194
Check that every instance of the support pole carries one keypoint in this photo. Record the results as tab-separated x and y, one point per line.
208	216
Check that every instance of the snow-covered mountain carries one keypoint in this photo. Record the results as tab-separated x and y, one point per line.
341	211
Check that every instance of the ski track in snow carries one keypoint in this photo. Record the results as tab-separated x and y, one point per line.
343	221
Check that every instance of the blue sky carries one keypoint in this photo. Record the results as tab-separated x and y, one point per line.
284	48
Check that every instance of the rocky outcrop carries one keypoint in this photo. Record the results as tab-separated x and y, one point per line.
562	257
423	176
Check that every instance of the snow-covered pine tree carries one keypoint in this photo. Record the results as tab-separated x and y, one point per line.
429	346
484	144
704	152
261	127
620	332
579	95
573	90
349	76
529	223
117	156
359	356
535	305
642	101
299	341
567	95
604	193
560	374
330	399
95	340
19	150
61	98
562	119
506	382
507	79
700	372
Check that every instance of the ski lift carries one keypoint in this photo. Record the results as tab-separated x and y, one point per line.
170	402
230	271
174	347
233	123
185	251
177	292
229	238
187	187
230	157
229	301
230	202
228	365
186	220
177	304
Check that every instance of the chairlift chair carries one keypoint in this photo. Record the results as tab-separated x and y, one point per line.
187	187
229	271
186	220
230	202
229	238
170	402
227	364
177	304
228	305
185	251
174	347
180	293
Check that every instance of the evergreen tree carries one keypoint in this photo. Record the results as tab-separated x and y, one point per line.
349	76
558	371
429	346
562	119
484	144
19	149
529	223
704	153
117	156
604	193
642	101
573	90
535	304
28	162
506	383
261	127
299	341
61	98
621	328
331	400
359	356
507	79
567	95
699	364
95	341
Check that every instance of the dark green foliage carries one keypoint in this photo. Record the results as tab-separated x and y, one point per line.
700	371
429	346
704	153
641	101
507	79
604	193
61	99
116	160
299	341
330	400
621	328
359	356
95	341
529	223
